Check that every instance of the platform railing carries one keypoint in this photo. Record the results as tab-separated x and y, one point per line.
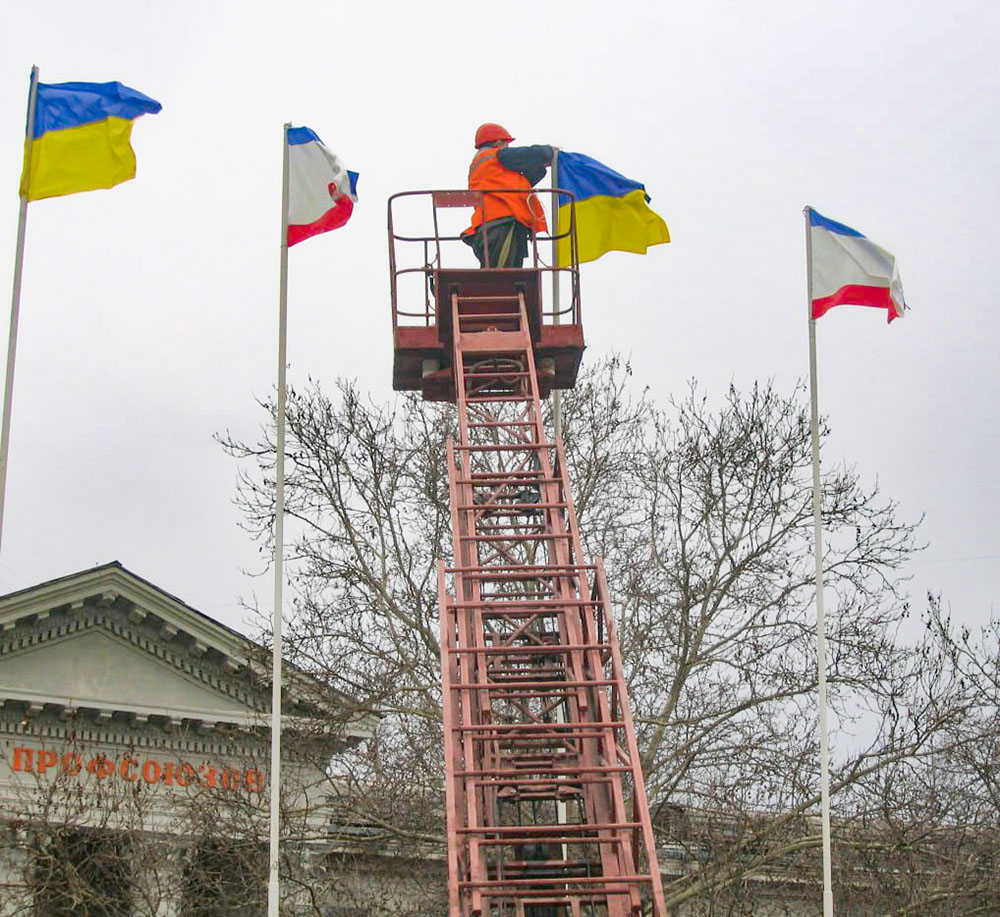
417	254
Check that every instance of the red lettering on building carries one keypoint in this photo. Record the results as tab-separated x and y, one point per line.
254	781
129	768
186	774
101	767
151	771
231	780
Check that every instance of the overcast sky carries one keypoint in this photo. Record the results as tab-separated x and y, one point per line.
149	311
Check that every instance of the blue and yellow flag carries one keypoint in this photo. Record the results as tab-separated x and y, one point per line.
612	213
80	138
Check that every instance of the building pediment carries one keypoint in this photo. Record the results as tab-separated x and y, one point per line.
100	668
106	640
112	585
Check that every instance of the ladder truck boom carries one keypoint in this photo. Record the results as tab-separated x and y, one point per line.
546	806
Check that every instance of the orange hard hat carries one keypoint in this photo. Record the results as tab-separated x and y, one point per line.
487	133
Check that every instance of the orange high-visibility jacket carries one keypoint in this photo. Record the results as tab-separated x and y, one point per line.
487	172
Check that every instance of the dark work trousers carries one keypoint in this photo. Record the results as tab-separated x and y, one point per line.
506	242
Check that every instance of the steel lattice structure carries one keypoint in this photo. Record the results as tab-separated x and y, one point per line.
546	801
546	807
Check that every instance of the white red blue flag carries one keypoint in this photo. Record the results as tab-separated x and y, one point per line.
849	269
321	191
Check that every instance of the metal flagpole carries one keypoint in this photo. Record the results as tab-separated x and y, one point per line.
556	395
273	886
562	812
824	748
15	302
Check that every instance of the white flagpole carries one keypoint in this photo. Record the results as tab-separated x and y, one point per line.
824	748
273	886
15	304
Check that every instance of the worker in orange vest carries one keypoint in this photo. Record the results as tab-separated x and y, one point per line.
509	218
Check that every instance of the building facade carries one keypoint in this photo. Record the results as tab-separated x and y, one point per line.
134	749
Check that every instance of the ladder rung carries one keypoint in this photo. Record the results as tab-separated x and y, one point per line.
520	447
527	885
550	770
526	603
558	731
501	424
554	649
499	507
555	688
528	475
567	829
498	530
541	536
526	572
558	839
546	687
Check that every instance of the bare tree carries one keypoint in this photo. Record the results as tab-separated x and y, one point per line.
702	512
923	831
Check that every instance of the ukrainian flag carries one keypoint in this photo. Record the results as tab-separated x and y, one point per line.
80	138
612	213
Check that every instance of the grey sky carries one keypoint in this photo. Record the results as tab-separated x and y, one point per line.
149	311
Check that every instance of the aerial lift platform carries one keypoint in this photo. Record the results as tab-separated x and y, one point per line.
547	813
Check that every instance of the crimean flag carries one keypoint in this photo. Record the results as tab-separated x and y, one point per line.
849	269
612	211
321	191
81	138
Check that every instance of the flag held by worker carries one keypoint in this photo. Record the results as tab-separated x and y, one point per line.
321	191
612	211
80	138
849	269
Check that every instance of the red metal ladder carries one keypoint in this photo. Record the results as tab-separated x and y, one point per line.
546	806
